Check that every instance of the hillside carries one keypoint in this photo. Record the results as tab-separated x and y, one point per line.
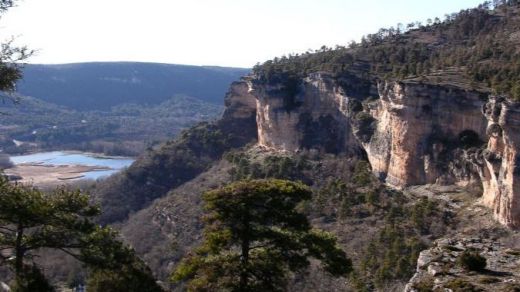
114	108
126	129
407	138
99	86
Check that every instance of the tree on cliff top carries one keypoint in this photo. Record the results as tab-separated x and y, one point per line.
254	237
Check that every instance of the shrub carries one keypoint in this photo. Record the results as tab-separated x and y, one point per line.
472	261
511	287
459	285
489	280
425	285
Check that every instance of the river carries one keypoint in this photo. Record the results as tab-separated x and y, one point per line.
95	166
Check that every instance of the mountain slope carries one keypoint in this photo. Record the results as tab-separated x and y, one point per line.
359	125
122	130
175	162
99	86
117	108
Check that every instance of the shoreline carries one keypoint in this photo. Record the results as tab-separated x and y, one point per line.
50	175
90	154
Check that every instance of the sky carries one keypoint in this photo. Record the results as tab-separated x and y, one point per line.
233	33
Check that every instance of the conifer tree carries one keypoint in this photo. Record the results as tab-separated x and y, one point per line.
254	237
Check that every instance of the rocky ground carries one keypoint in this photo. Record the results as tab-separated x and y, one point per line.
437	267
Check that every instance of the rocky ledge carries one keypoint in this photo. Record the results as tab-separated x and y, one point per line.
438	268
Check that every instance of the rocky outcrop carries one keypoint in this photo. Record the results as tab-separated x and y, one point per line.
412	133
315	117
418	127
501	171
437	268
4	287
239	118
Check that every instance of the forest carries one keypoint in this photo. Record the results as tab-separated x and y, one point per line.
478	44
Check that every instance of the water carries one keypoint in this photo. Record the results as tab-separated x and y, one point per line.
77	158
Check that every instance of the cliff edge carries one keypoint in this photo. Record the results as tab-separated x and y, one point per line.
411	132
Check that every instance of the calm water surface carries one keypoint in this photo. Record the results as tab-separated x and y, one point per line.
115	163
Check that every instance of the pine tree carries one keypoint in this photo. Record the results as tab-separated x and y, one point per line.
254	236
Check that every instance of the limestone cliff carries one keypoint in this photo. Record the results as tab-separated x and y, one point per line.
316	117
411	132
238	120
501	170
419	129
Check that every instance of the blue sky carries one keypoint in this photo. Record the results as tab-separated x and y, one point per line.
235	33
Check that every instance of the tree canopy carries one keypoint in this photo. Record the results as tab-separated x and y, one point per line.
31	221
255	236
478	44
10	57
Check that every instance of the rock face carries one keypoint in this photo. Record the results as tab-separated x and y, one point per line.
238	119
501	172
316	117
418	126
437	268
411	132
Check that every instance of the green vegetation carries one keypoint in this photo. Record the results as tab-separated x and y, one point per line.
257	232
272	166
10	57
392	254
254	236
32	221
100	86
126	129
475	44
403	226
158	171
425	285
460	285
347	193
472	261
114	267
112	108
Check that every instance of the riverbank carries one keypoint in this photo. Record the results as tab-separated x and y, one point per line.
49	169
41	175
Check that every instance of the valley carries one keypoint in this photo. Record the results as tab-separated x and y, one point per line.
94	107
390	164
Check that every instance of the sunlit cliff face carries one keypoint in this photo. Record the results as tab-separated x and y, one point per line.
412	133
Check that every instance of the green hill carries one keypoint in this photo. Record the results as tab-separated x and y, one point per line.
99	86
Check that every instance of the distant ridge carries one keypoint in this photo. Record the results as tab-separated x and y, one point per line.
101	85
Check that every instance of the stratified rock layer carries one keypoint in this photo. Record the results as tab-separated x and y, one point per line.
412	133
417	127
314	118
501	172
